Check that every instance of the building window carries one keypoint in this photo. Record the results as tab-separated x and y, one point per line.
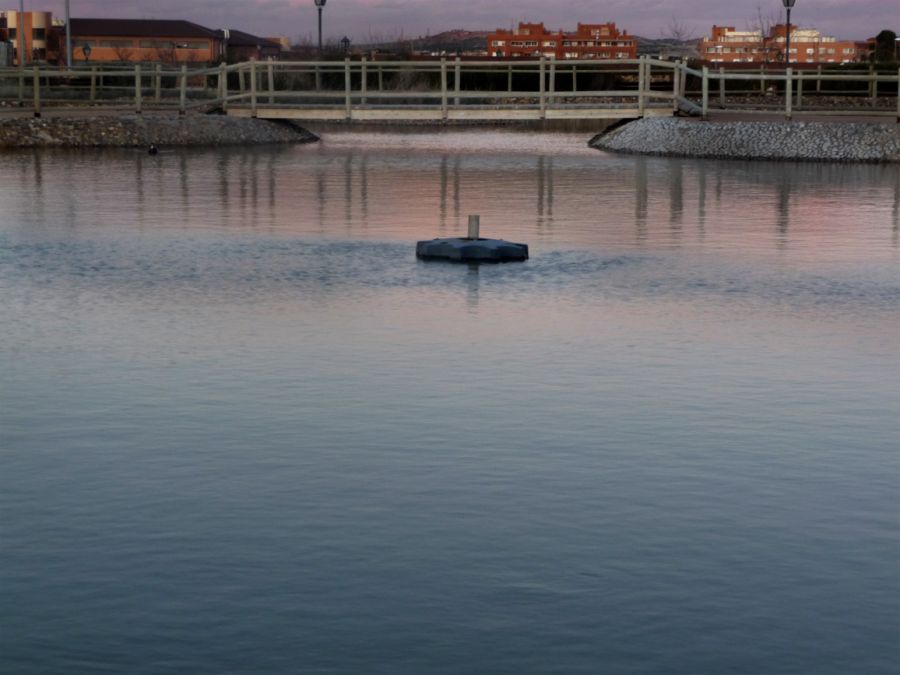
39	34
113	44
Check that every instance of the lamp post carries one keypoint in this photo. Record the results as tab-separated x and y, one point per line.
20	33
319	5
68	37
788	4
345	43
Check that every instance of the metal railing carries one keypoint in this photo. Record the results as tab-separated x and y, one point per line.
439	89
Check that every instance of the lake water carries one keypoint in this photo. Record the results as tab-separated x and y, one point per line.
243	429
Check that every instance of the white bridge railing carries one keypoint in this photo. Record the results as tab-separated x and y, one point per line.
441	89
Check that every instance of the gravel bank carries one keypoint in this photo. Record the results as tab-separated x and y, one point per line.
138	131
801	141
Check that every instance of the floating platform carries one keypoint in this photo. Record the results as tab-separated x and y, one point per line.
463	249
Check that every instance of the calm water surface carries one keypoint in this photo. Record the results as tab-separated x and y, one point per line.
242	429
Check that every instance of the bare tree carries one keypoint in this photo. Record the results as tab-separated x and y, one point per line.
123	52
165	52
764	23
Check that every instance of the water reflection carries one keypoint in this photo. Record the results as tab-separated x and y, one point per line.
570	194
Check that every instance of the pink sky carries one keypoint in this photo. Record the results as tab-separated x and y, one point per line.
853	19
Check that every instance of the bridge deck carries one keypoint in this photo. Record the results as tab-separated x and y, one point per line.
436	114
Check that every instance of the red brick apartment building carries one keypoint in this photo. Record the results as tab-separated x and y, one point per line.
590	41
727	45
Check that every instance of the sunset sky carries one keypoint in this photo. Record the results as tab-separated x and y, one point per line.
360	19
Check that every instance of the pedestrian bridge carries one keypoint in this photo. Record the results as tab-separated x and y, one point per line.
456	90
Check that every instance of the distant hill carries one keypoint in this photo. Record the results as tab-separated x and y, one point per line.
449	41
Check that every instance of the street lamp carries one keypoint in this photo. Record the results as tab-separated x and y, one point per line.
345	43
788	4
319	5
68	37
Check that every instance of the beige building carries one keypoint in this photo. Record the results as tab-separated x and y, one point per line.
37	31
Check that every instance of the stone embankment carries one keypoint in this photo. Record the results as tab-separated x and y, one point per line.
137	131
797	141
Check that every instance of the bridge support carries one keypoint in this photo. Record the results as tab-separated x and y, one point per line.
444	88
138	92
348	101
542	93
788	93
182	93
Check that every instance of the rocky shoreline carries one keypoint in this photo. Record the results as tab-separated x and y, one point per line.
780	141
122	131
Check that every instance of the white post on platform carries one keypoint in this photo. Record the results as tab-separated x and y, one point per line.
182	91
474	227
642	83
223	85
253	107
348	101
676	78
722	87
157	84
270	78
37	91
788	92
138	92
457	77
542	89
705	113
443	87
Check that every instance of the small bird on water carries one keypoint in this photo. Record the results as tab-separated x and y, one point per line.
153	150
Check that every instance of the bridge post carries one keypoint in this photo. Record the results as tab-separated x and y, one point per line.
552	80
380	79
873	84
37	91
93	83
348	101
138	92
542	97
157	83
722	87
799	89
898	96
762	80
676	79
509	82
457	76
182	93
270	76
252	87
788	92
223	85
444	87
705	110
364	80
574	79
642	83
819	79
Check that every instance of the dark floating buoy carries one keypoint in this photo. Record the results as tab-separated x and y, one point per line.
153	150
472	248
